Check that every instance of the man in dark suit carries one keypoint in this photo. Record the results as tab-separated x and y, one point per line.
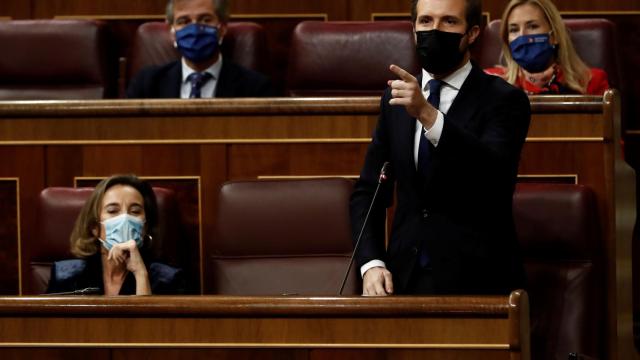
453	138
198	28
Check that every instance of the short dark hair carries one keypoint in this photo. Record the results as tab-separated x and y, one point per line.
473	12
221	8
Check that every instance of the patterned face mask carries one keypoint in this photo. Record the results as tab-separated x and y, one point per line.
534	53
121	229
197	42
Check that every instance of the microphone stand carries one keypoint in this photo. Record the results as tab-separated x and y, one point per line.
381	179
85	291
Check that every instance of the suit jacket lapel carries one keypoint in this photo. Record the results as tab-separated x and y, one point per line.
411	131
172	83
460	112
466	102
225	86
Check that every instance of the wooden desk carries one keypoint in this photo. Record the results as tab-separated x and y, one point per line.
495	327
194	146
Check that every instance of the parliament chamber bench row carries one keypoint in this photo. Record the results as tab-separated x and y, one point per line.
81	62
293	237
198	145
266	327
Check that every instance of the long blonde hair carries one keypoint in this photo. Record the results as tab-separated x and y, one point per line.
576	73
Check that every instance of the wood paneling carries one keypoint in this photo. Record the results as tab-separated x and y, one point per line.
336	9
362	9
26	165
174	121
49	8
206	354
222	139
596	5
482	327
15	9
64	164
52	354
255	160
9	232
214	171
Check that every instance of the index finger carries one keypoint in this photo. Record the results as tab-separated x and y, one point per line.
402	73
388	282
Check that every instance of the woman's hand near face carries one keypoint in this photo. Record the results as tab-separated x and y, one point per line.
129	254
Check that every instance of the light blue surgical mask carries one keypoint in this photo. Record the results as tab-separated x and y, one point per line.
121	229
533	52
197	42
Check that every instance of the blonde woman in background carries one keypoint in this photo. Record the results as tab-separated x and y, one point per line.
539	55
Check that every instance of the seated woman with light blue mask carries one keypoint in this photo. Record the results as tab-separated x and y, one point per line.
538	53
111	237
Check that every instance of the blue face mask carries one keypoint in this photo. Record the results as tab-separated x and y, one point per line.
121	229
533	52
197	42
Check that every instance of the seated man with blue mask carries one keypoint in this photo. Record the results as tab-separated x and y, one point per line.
198	28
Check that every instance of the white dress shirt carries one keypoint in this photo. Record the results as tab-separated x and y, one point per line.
448	92
450	88
208	90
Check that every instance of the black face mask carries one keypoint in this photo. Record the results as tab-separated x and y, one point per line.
439	51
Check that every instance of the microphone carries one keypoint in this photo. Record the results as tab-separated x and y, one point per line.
382	178
85	291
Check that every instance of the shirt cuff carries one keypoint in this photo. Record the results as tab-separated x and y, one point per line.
371	264
433	134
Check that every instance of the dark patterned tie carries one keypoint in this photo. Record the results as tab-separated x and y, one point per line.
424	151
197	81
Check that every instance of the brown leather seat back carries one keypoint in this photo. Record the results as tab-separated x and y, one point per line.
244	44
54	60
152	45
282	237
595	42
348	58
488	48
559	234
57	212
593	39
